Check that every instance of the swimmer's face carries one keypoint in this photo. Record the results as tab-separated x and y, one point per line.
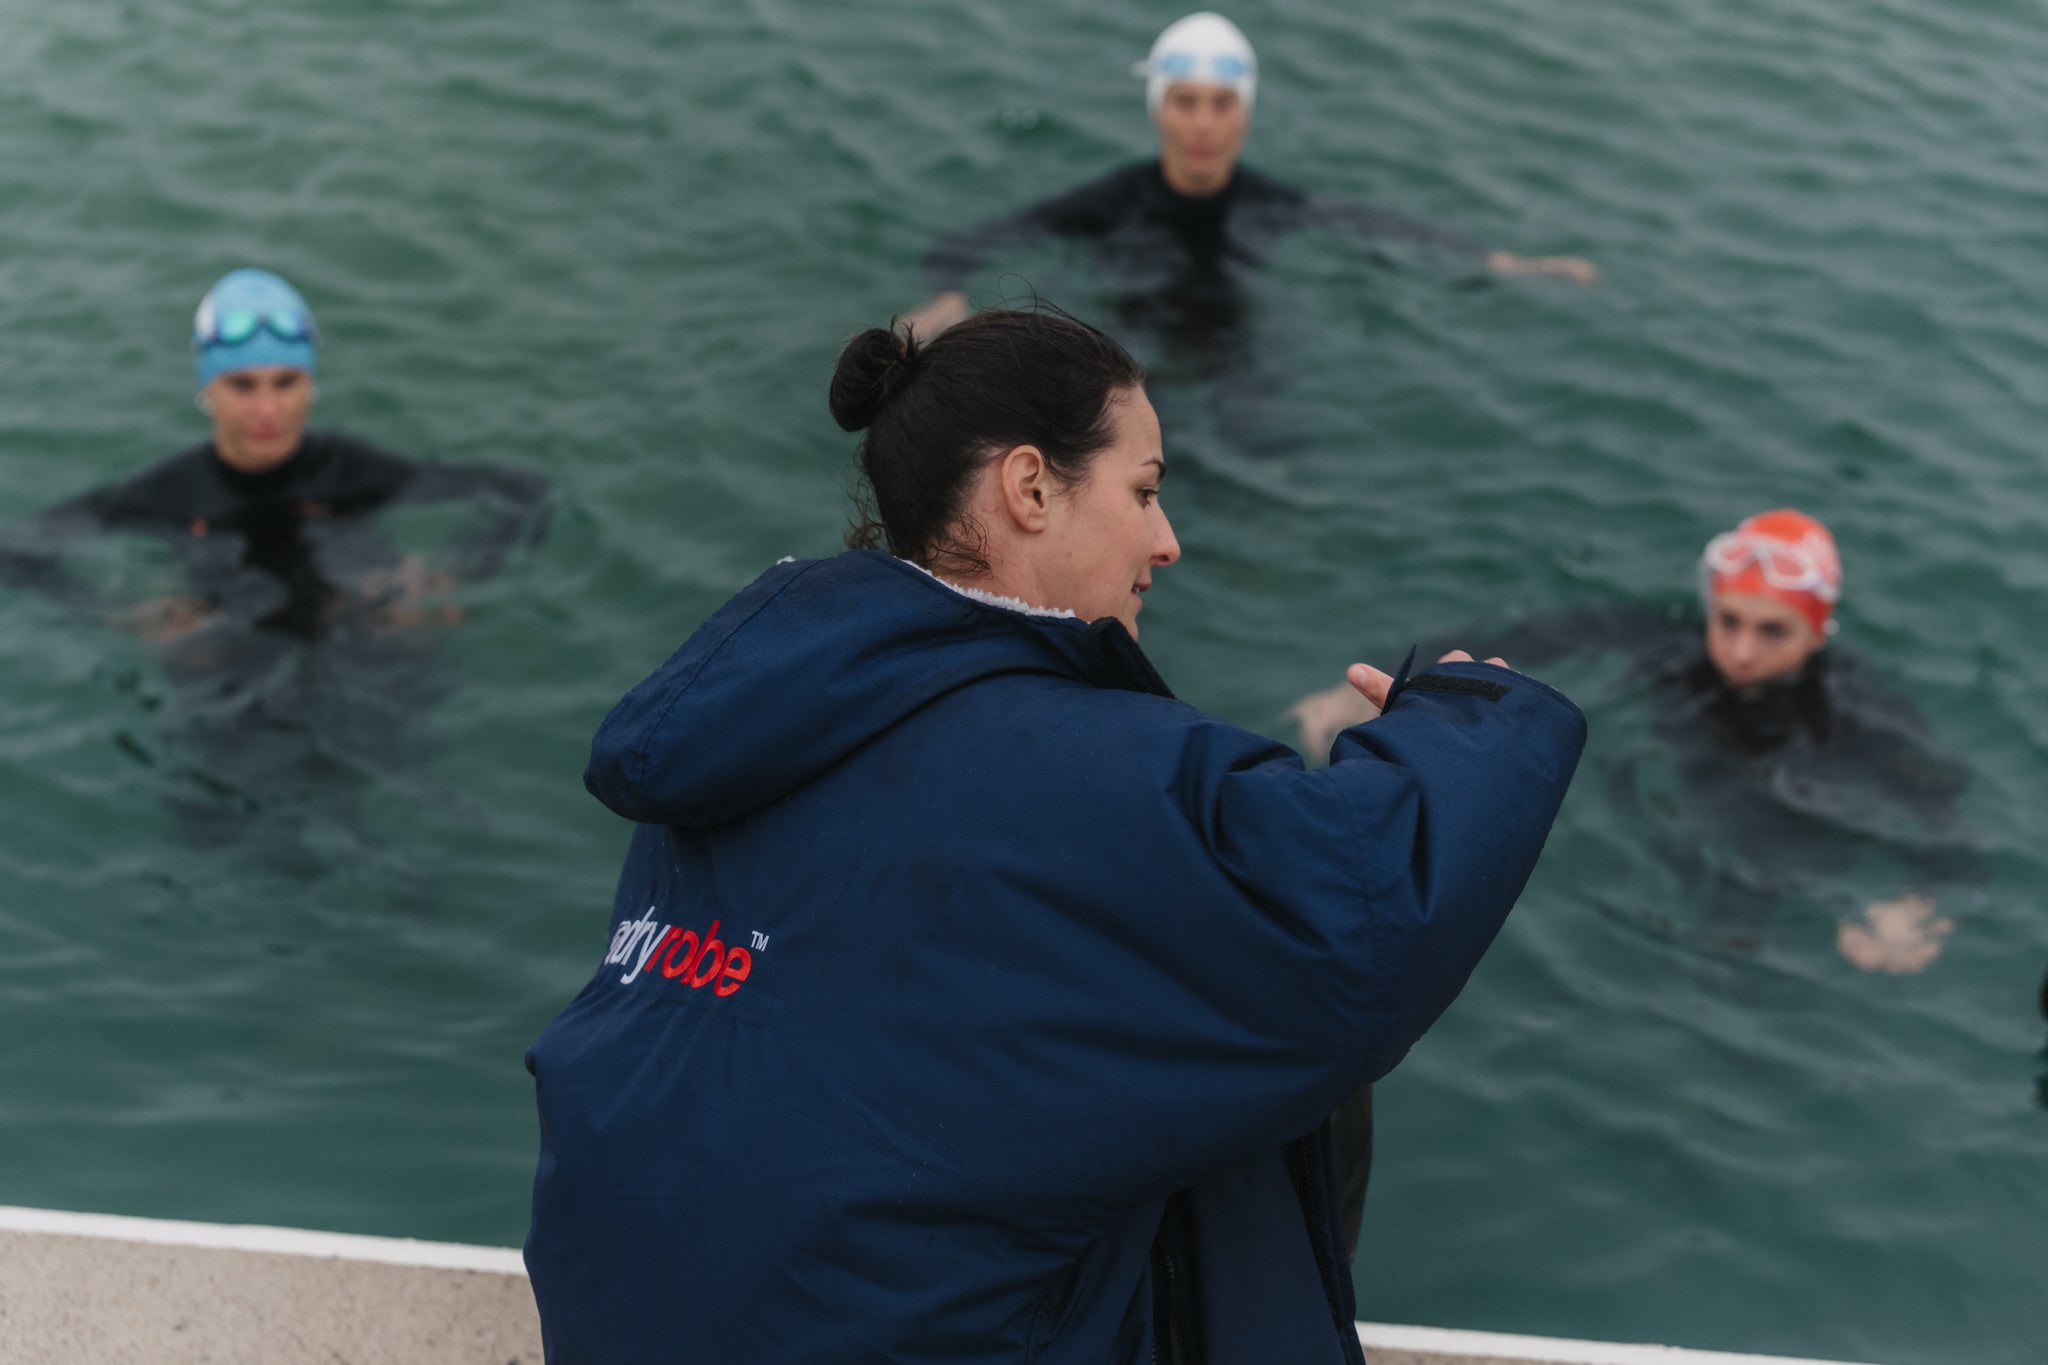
1754	640
1107	533
259	415
1201	134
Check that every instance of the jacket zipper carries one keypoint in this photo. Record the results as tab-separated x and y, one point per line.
1173	1344
1314	1204
1169	1335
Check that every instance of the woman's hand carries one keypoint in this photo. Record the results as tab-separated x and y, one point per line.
1358	699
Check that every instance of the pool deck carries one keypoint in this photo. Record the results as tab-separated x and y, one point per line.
106	1290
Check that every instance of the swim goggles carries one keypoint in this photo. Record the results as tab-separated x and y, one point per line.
1180	66
1225	68
1808	565
233	326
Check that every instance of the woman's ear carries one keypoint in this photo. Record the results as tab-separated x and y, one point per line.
1024	480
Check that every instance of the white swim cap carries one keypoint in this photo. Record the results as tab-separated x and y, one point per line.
1206	48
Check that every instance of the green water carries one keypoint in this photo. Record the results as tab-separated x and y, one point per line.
619	244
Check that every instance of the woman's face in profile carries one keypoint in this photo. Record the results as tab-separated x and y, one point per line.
1109	532
1753	640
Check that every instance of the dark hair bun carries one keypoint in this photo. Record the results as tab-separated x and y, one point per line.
871	368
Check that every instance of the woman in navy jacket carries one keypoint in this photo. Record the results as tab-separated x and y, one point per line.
968	997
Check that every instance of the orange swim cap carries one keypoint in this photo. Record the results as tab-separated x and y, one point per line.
1783	555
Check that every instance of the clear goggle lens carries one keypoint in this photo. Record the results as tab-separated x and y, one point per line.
234	326
1185	65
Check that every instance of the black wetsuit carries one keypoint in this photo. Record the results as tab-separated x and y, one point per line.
1177	262
275	549
1789	768
1789	777
292	593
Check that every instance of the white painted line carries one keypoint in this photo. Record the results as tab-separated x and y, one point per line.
280	1241
1499	1346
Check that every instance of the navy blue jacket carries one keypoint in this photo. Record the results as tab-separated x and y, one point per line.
969	998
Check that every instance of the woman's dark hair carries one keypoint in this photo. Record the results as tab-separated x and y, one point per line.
934	413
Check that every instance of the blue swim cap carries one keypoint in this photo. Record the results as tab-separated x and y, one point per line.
252	318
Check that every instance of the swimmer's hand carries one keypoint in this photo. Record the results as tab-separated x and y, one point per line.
1321	715
1356	700
406	597
165	619
1574	268
936	314
1895	937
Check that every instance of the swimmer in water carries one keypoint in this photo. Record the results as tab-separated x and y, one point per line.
291	606
266	516
1178	229
1816	742
1760	682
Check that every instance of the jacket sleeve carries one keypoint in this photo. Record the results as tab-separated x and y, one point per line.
1289	940
1393	868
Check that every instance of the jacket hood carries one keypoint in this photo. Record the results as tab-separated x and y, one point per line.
810	662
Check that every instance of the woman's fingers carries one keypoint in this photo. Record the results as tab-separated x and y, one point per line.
1373	684
1370	682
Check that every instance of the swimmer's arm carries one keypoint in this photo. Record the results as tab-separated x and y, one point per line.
955	258
513	488
1577	269
1086	211
953	261
1321	716
517	503
32	555
159	620
1367	221
936	314
1377	224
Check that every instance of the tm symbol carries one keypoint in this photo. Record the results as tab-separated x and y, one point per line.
760	940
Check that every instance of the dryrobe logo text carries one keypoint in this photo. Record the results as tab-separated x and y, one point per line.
680	955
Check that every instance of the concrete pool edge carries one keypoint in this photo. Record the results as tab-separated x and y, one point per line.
1389	1344
108	1287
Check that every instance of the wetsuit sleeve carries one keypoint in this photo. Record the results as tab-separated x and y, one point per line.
1546	637
1090	210
515	504
160	500
32	552
1921	778
1377	224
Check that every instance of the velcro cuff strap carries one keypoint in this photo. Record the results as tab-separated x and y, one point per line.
1449	682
